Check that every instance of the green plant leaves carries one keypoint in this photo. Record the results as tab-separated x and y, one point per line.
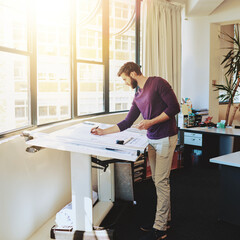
232	58
226	90
231	62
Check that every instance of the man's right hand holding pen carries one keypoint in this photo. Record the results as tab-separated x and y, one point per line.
99	131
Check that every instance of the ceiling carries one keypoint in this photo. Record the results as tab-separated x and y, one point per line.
199	7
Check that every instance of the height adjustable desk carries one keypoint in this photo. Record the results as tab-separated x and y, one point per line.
82	145
212	141
218	146
229	198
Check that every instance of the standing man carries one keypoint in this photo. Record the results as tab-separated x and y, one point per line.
158	104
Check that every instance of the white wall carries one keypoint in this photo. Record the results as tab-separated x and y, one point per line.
34	186
200	55
195	61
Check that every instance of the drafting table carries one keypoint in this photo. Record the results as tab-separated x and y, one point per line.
78	140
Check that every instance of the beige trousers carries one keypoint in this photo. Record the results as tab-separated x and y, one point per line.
160	154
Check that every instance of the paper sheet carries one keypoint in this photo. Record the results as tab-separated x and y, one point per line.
81	133
78	138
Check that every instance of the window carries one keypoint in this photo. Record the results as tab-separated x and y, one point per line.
58	54
14	66
90	88
64	110
21	110
89	29
53	59
89	48
225	45
122	49
13	27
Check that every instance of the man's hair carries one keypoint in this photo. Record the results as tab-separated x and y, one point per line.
129	67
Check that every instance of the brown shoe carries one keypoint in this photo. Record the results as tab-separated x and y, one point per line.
155	234
149	227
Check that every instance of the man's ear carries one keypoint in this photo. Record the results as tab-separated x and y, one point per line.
133	74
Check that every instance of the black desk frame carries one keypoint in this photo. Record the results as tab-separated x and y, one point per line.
213	145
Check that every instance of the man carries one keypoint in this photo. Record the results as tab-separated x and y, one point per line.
158	104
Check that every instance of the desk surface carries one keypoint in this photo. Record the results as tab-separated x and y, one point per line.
231	159
221	131
78	138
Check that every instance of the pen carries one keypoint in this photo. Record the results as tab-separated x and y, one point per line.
111	149
94	129
128	140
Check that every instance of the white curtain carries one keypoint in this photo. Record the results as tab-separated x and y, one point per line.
162	42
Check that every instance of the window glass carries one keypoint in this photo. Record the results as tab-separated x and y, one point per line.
226	45
89	30
53	60
14	91
13	24
90	88
122	49
45	26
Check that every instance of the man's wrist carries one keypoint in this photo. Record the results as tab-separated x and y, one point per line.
153	121
104	131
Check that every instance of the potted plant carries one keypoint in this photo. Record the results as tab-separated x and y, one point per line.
231	63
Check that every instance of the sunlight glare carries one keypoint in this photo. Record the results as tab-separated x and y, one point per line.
51	10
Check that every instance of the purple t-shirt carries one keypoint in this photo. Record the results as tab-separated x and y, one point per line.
156	97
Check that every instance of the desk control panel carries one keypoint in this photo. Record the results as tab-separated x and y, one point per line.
194	139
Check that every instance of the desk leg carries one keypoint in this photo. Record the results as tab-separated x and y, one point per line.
106	188
187	154
81	191
226	145
230	194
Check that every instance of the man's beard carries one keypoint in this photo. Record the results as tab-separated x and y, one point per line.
133	83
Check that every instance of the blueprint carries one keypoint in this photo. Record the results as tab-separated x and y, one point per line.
78	138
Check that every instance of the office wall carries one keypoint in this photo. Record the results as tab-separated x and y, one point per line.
195	61
34	186
200	55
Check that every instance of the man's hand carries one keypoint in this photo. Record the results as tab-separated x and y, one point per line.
144	124
97	131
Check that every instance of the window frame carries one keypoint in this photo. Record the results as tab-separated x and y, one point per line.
26	53
32	54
